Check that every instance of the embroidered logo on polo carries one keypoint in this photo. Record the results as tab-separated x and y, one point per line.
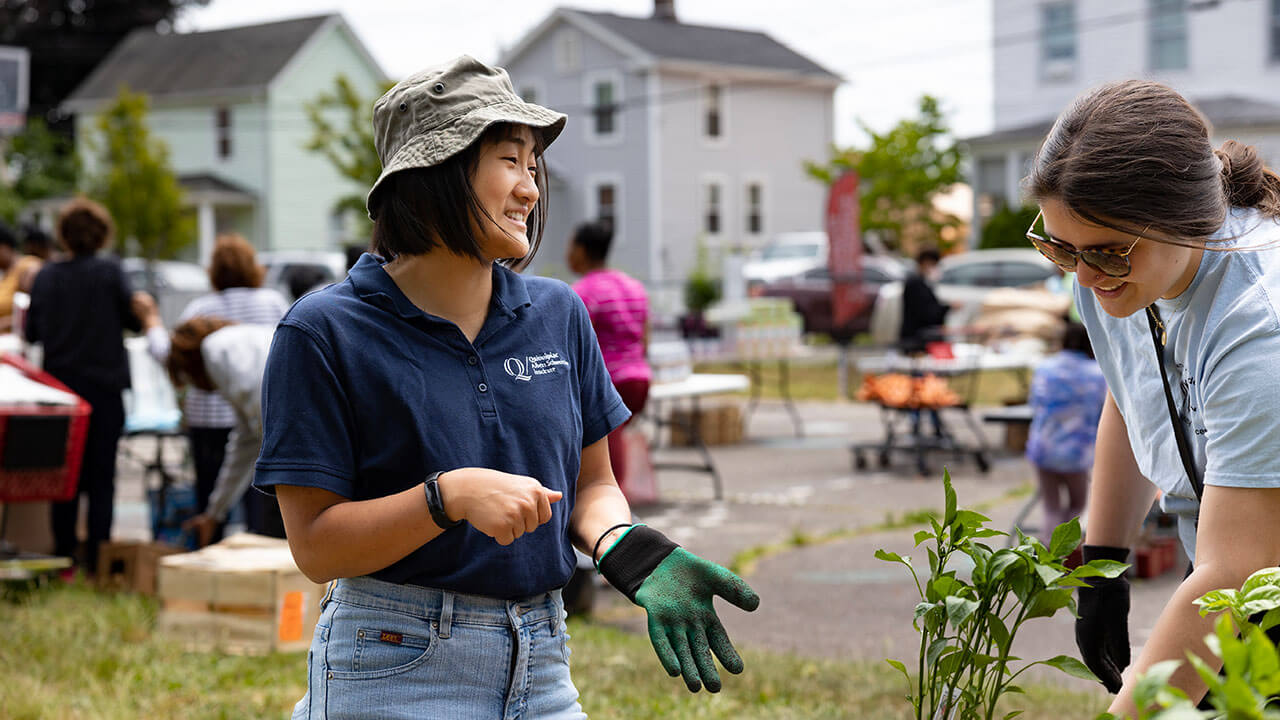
531	366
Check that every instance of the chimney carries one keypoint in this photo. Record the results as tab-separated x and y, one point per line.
664	10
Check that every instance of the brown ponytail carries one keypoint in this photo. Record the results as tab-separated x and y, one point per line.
186	364
1247	182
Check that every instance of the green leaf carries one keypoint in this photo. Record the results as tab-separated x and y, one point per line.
1047	602
1150	682
1066	538
888	556
936	648
1048	574
999	633
1265	577
959	609
973	520
1239	695
1070	666
1014	690
1217	601
922	535
902	669
1259	599
1000	562
950	516
1263	661
1012	715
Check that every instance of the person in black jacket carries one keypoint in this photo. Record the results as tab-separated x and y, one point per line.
80	308
922	312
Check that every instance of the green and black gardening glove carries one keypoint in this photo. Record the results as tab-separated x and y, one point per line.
675	587
1102	629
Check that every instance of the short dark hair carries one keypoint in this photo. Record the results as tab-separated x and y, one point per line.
302	278
7	237
928	255
415	211
33	237
1076	338
594	238
85	227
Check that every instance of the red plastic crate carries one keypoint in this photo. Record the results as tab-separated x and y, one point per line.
55	483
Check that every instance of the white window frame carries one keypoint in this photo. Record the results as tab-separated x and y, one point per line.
592	204
589	82
539	89
755	238
568	51
721	140
1152	37
726	207
1059	69
21	57
1273	34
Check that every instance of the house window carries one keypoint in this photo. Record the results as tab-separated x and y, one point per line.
604	109
1275	30
712	219
1058	38
712	118
755	208
223	123
607	204
1168	38
568	52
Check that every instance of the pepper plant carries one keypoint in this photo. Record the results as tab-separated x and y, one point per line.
1250	677
968	624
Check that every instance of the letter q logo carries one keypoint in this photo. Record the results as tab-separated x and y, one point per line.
516	369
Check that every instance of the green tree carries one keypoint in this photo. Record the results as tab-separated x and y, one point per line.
1007	227
342	131
135	182
42	163
900	172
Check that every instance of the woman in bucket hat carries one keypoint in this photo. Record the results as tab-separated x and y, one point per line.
1178	283
435	428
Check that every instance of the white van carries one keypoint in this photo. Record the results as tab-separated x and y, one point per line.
787	255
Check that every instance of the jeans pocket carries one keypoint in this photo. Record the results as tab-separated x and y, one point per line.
367	644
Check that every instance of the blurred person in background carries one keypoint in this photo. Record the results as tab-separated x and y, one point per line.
922	313
37	249
8	275
80	308
619	309
1066	397
218	356
238	297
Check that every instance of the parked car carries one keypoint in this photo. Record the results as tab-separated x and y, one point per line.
173	283
810	291
318	267
968	277
787	255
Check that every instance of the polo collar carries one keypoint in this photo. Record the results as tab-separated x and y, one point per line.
373	285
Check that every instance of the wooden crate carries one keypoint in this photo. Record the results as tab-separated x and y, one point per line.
242	596
131	565
719	424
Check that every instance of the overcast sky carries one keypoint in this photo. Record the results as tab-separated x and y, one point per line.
889	53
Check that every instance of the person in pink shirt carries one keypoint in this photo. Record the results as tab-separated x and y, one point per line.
619	310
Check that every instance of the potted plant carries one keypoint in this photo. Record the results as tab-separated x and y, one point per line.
968	620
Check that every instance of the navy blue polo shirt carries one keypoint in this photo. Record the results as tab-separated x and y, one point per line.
365	395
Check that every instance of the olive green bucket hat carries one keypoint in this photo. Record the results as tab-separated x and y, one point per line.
434	114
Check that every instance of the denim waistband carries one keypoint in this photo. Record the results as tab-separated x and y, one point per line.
448	607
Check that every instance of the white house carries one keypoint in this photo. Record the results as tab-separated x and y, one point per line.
680	134
230	105
1222	55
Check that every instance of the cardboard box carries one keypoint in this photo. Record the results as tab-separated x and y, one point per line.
717	425
131	565
243	596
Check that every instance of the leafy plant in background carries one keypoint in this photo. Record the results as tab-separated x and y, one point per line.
42	163
1007	227
1250	677
967	626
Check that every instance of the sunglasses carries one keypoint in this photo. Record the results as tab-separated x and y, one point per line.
1112	263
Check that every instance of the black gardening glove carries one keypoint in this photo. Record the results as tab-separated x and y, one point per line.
1102	630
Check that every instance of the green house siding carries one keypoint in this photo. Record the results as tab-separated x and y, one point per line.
304	186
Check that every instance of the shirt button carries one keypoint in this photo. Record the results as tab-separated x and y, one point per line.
483	387
472	360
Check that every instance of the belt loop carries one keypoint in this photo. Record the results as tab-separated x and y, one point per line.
328	593
446	614
557	611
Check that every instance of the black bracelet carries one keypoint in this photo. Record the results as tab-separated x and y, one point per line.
435	503
595	550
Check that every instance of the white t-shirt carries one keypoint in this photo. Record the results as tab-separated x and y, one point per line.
1223	363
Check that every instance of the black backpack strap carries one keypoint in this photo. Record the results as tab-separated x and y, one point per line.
1184	449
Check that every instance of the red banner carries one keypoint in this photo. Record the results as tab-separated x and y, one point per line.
845	249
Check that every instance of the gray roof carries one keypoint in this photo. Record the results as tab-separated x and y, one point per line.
672	40
1226	111
232	60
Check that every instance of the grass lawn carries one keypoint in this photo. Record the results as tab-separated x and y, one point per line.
819	381
72	652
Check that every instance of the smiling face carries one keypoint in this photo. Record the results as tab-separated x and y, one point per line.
504	182
1158	270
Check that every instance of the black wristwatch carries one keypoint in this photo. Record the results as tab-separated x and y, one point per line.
435	503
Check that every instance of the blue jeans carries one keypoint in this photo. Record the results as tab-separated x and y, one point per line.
400	651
